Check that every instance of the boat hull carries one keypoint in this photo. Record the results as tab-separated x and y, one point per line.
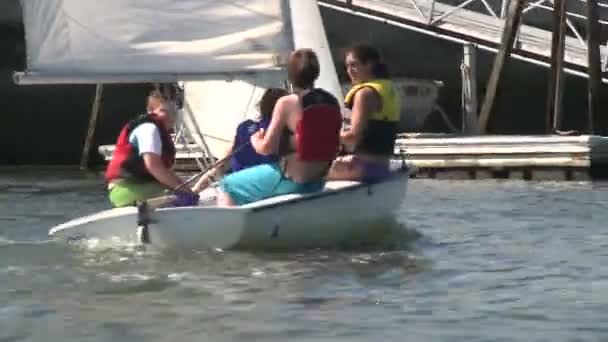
342	213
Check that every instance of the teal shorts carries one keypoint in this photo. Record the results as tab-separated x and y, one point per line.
263	181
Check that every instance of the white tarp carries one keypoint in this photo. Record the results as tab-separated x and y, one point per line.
124	37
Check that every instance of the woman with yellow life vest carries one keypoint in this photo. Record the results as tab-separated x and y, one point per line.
375	111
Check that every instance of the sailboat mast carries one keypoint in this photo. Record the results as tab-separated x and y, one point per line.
309	32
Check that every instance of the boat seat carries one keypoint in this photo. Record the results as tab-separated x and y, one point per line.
209	195
329	186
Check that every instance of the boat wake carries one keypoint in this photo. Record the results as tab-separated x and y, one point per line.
393	239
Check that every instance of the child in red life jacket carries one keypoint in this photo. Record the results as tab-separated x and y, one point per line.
141	165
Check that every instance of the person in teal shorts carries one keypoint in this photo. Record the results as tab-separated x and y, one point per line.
304	131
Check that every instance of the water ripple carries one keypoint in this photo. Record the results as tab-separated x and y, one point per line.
474	261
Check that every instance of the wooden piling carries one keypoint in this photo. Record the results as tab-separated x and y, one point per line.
594	69
556	74
469	90
508	37
84	159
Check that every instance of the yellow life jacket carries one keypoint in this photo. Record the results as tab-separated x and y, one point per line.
381	132
390	100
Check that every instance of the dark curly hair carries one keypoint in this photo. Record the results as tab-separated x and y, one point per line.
269	100
367	54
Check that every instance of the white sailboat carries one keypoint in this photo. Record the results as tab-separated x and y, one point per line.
225	53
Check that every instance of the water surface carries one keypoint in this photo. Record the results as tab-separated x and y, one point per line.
481	260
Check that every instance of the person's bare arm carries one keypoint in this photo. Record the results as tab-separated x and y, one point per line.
267	142
157	168
366	102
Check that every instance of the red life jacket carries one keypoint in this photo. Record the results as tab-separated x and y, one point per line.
317	135
127	163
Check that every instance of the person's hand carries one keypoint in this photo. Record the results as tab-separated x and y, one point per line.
185	198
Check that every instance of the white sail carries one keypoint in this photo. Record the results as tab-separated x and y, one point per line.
214	108
87	41
217	106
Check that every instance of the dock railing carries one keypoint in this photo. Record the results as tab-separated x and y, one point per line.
489	7
429	12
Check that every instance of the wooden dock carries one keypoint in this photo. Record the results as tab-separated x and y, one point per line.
542	157
440	156
458	24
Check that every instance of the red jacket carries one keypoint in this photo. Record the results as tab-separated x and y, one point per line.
127	163
318	131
